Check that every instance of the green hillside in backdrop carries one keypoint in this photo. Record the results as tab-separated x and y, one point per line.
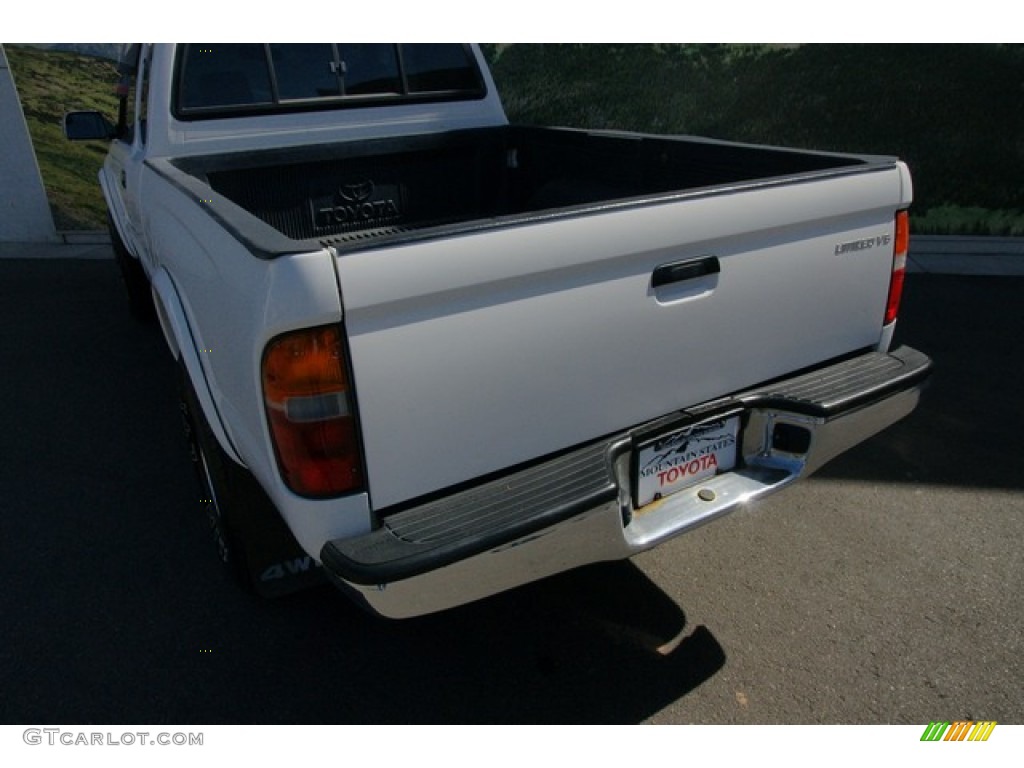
49	84
955	113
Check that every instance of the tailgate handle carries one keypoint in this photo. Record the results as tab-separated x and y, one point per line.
688	269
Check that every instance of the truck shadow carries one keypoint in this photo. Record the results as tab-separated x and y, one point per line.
602	644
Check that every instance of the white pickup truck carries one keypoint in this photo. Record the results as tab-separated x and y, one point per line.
434	356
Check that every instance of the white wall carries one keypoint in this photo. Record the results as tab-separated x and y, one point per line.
24	212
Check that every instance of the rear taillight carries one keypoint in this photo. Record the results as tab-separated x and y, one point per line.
308	400
901	244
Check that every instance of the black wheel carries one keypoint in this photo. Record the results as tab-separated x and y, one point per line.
136	284
218	478
251	539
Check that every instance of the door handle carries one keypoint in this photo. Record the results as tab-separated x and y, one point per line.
687	269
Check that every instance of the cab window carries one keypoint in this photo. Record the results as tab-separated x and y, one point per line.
143	107
224	79
127	68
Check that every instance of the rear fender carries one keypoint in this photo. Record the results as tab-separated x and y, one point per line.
178	335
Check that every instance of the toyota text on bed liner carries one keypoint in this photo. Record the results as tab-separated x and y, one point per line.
443	356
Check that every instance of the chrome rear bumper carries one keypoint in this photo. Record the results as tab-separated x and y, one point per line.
577	508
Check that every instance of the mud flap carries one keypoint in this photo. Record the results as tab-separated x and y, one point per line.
276	562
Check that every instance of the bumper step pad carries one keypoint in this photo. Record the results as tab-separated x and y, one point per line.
842	387
441	532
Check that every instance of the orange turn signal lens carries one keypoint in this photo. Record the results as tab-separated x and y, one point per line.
307	397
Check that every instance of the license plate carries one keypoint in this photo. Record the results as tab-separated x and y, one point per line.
679	458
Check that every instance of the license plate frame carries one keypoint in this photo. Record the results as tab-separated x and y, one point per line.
673	457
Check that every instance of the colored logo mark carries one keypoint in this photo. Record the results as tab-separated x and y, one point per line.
959	730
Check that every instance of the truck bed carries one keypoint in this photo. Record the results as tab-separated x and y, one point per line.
356	194
549	287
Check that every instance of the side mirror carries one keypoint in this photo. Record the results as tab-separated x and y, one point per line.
87	126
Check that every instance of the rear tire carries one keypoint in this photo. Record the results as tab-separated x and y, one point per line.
218	477
133	276
251	539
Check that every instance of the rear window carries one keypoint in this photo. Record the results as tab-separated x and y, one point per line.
222	79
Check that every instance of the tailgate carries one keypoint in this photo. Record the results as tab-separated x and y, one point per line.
478	352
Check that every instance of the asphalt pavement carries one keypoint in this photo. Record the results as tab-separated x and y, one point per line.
888	588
